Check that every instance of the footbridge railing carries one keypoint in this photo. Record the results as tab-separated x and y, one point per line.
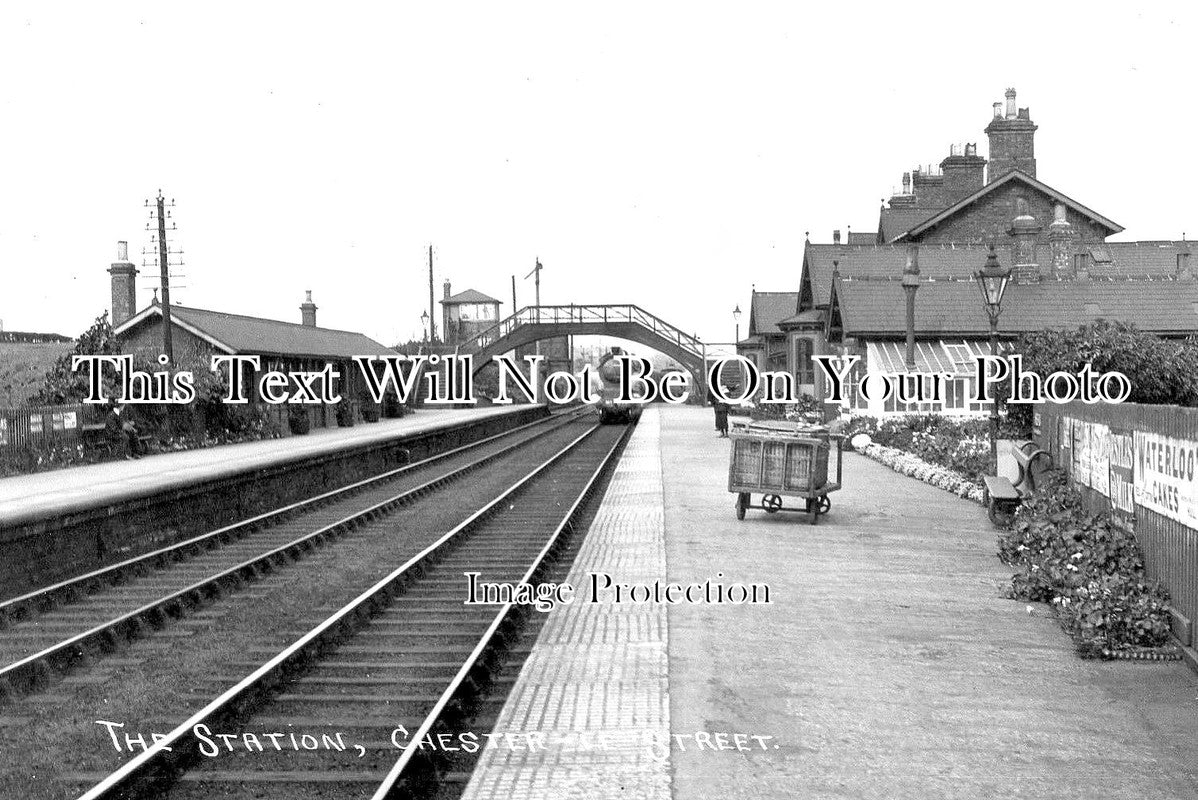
589	316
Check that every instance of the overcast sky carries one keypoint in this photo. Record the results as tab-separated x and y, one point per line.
667	155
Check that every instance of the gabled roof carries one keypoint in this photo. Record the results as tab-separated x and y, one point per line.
770	308
1014	175
893	222
876	308
238	334
468	296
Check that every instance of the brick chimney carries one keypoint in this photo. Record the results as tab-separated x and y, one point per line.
1060	241
1024	231
1184	271
1012	140
836	236
928	188
308	310
124	285
964	173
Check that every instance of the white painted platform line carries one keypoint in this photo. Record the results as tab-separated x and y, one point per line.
596	683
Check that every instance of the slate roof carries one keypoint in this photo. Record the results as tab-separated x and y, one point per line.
1157	259
468	296
888	261
1014	175
877	307
810	315
770	308
239	334
894	222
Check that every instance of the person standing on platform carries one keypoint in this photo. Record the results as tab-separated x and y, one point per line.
721	418
121	432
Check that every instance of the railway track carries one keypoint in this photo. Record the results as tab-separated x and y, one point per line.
407	654
48	632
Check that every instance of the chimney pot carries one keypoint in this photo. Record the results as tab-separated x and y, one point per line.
122	251
836	236
1011	104
998	110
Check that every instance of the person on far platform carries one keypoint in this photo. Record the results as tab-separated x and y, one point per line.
721	418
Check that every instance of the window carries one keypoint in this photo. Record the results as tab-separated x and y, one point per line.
960	355
804	366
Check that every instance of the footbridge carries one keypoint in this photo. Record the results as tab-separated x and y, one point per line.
623	321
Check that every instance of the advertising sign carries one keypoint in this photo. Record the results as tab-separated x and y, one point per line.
1122	479
1164	476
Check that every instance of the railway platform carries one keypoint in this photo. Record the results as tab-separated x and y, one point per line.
71	489
887	663
65	523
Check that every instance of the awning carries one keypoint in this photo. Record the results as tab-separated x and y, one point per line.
955	356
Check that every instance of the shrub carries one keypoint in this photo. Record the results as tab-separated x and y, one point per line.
345	414
1090	570
1161	371
298	421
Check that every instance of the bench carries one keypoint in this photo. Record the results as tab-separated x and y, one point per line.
1003	497
95	434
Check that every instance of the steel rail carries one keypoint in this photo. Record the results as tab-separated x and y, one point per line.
30	671
43	599
398	778
144	775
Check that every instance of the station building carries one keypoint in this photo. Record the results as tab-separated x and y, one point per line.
850	298
198	334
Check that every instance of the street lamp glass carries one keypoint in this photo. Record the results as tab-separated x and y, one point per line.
992	280
736	313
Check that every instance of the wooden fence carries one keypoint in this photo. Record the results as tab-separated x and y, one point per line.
43	427
1140	464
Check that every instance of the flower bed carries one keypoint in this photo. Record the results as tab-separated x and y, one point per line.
1091	571
912	465
960	445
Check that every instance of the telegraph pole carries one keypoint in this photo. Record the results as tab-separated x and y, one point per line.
536	272
163	254
432	308
514	307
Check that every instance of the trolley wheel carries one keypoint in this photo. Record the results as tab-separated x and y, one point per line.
742	502
816	506
772	503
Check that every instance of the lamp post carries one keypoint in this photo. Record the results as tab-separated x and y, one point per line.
910	286
424	319
736	319
992	280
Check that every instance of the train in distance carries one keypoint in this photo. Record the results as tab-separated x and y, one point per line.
606	384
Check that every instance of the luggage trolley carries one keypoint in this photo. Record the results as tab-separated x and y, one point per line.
783	459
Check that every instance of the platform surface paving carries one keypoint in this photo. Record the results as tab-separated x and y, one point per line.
71	488
888	664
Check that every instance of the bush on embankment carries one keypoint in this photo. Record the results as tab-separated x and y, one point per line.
1089	569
